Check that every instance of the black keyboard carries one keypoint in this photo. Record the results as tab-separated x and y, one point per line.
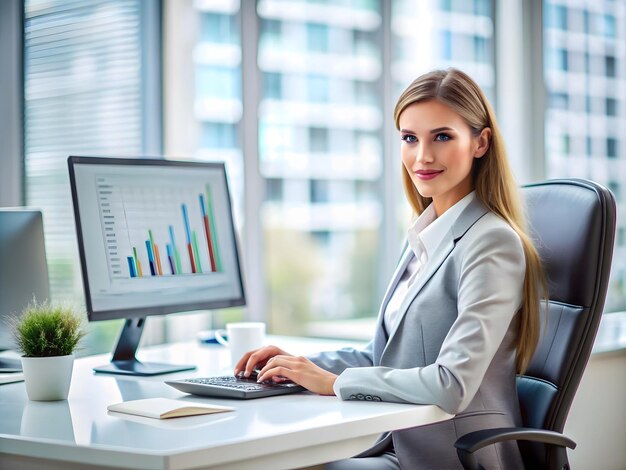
233	387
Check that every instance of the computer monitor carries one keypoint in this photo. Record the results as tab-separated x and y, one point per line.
23	270
155	237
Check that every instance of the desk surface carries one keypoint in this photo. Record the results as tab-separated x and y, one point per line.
278	432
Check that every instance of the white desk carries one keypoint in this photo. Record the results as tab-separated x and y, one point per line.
275	433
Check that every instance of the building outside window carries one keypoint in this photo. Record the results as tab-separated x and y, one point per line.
320	137
597	31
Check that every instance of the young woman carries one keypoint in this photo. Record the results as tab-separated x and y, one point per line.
461	313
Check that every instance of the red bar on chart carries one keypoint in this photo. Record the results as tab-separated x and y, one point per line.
191	260
207	233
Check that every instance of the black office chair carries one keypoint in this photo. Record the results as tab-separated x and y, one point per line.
572	223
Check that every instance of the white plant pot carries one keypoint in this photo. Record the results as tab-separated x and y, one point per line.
48	378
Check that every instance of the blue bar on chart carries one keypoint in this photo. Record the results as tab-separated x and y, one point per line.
131	266
170	257
150	258
175	253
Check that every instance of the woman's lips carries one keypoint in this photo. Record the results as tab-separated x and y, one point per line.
427	174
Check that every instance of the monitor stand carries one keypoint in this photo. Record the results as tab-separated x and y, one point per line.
124	360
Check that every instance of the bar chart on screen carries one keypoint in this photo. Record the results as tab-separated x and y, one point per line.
158	229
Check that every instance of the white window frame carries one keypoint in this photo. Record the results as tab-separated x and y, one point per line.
520	88
11	103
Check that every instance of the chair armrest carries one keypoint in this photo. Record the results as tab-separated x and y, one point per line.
471	442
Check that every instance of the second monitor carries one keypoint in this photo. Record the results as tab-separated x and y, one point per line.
155	237
23	270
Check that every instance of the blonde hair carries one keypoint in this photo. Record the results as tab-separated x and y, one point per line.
492	179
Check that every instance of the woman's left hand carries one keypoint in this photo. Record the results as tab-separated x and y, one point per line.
299	370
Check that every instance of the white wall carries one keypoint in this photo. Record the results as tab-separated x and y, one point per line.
597	420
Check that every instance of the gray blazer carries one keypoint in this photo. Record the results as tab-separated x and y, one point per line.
454	345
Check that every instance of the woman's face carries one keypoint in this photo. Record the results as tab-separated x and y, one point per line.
438	151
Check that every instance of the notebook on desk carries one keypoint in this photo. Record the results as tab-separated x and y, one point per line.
165	408
233	387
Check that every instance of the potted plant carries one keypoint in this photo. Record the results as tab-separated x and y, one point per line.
47	335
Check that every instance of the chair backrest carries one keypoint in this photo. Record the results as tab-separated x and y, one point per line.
572	223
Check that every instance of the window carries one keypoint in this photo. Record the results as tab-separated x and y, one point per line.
557	16
562	59
321	124
85	94
610	27
318	139
365	42
611	106
318	88
274	189
316	230
610	64
611	147
481	49
317	37
319	191
588	108
366	93
576	62
566	145
483	8
446	45
445	5
272	88
218	135
559	100
218	82
219	28
584	123
586	22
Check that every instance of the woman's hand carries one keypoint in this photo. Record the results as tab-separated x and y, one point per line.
299	370
257	358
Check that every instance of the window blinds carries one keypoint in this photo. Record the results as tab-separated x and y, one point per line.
83	96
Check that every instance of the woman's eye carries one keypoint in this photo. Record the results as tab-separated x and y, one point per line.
442	138
411	139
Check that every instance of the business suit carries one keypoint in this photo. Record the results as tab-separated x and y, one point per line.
454	345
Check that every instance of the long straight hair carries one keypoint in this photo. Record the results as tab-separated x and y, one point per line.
493	181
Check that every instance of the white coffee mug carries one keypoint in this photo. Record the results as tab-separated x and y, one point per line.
241	338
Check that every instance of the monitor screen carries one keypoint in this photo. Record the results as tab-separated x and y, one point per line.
155	236
23	267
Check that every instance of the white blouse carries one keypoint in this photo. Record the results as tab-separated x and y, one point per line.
423	236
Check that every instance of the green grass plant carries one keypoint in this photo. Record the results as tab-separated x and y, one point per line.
46	330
